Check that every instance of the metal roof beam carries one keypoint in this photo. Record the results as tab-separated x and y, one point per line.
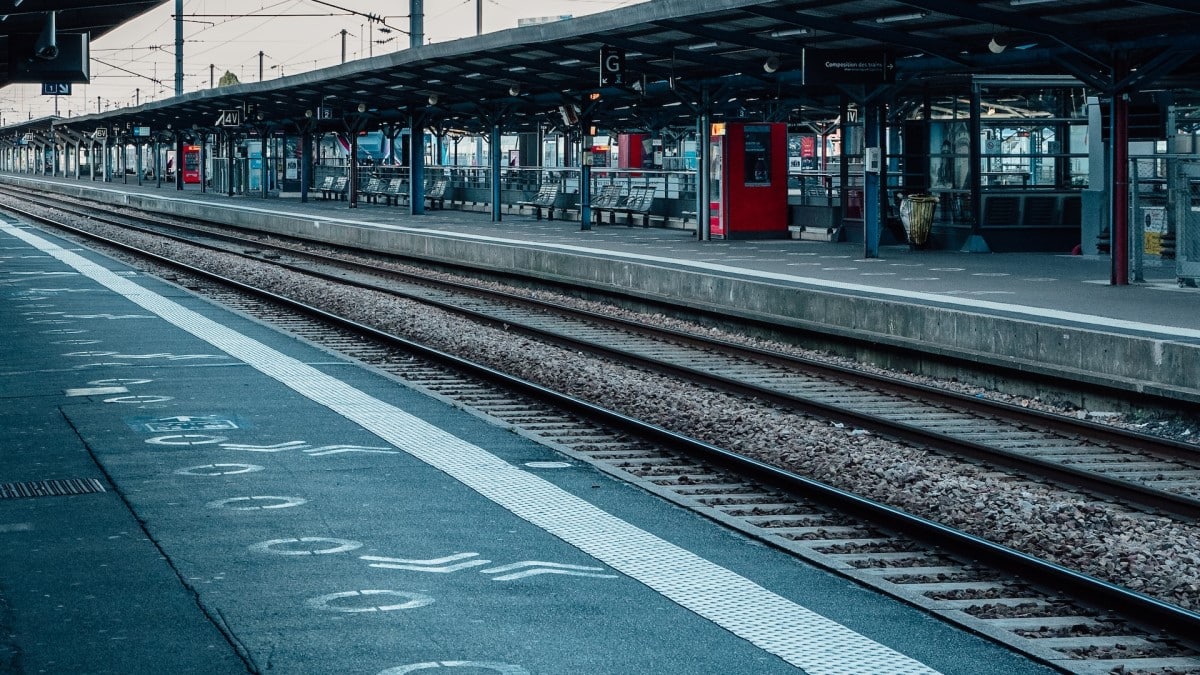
973	12
849	28
1177	5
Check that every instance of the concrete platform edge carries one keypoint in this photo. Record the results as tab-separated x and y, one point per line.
1087	355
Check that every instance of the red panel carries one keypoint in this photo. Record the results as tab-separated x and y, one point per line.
191	164
755	182
630	147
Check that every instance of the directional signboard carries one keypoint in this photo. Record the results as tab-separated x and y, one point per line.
230	118
842	66
56	89
612	66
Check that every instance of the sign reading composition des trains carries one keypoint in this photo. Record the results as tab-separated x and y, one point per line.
842	66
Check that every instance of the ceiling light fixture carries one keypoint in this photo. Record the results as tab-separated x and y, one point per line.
702	46
788	32
1018	3
911	16
996	47
771	64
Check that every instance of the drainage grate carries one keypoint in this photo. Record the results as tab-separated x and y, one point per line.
50	488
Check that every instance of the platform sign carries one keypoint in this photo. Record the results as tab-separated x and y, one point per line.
230	118
100	133
612	66
848	66
56	89
141	132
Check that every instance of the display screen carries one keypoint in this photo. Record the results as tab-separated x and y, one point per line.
758	155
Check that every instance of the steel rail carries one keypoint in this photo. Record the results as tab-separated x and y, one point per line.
1134	605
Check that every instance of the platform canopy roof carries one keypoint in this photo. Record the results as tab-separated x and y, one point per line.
750	59
96	17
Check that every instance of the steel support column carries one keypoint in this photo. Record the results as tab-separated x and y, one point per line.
872	140
306	165
416	165
263	133
704	171
976	243
203	163
352	183
1120	192
496	161
229	164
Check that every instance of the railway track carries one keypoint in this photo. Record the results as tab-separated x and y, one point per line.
889	550
1150	472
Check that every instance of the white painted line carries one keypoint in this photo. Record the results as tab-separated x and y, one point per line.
258	503
96	391
498	668
311	546
138	399
219	470
185	439
411	601
777	625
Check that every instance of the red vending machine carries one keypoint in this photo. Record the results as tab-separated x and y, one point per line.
749	181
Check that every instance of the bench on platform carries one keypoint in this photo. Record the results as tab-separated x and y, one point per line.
337	190
638	201
608	198
436	194
546	197
394	192
325	186
372	190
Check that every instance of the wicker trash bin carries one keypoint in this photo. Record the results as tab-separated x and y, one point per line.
916	214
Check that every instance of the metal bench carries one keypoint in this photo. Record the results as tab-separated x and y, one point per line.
608	198
325	186
546	197
394	192
639	201
372	190
437	194
337	190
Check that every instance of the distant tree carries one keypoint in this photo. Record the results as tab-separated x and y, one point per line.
227	79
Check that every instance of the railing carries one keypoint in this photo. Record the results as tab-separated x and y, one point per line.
473	185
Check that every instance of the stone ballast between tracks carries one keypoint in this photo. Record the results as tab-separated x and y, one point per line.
1088	356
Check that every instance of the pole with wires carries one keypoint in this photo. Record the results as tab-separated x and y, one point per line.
416	26
179	47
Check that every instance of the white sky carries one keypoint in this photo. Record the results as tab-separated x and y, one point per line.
231	41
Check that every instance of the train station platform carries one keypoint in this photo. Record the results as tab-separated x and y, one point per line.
1041	313
187	490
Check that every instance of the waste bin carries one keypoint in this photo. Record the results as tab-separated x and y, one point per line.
916	214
